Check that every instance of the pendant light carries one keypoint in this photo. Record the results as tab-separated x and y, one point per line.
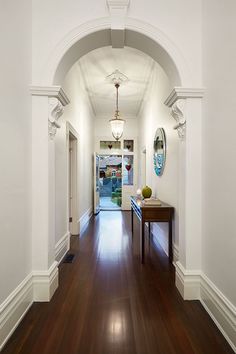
117	124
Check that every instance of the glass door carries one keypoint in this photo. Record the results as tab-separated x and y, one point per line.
96	184
110	182
117	172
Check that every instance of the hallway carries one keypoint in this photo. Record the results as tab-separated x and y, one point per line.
107	302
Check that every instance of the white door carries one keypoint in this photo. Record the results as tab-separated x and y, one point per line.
96	184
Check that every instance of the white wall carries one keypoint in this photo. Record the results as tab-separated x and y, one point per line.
219	145
181	23
15	144
154	114
79	113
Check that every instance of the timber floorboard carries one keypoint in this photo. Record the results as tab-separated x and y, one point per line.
108	303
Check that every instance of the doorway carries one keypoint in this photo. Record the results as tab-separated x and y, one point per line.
110	182
72	181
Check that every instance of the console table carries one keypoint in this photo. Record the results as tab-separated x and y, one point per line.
151	213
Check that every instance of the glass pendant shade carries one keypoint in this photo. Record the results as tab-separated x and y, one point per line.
117	127
117	124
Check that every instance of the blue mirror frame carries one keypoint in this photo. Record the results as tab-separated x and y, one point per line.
159	151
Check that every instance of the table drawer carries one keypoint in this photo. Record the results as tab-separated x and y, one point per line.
163	214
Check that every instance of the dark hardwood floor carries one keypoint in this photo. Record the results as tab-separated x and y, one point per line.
108	303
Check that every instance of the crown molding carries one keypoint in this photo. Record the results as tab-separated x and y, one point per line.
51	92
183	93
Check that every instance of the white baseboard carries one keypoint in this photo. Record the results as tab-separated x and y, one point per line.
84	219
187	282
37	286
13	309
45	283
194	285
62	247
221	310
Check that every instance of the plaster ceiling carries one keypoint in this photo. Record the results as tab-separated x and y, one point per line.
100	63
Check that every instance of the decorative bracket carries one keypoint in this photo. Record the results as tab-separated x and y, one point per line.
57	100
176	102
56	110
177	112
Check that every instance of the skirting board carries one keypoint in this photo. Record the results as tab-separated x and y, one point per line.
45	283
194	285
13	309
37	286
62	247
84	219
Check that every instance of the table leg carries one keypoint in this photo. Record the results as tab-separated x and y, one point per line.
142	240
132	222
170	242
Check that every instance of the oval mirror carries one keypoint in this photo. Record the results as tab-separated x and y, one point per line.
159	155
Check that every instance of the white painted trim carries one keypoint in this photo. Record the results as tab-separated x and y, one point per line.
182	93
118	3
14	308
118	12
195	285
220	309
84	219
45	283
104	23
50	91
71	129
62	247
187	282
72	227
37	286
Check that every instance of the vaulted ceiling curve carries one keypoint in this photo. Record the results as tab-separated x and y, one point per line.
133	39
98	64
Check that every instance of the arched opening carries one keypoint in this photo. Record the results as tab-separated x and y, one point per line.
138	35
168	72
75	46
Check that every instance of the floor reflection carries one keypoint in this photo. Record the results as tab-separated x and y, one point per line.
116	326
112	241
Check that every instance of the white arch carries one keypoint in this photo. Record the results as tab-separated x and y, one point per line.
95	34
